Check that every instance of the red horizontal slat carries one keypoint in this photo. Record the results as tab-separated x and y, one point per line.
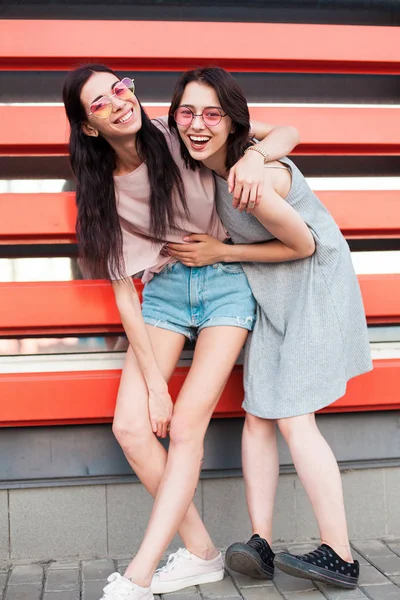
157	45
36	130
41	218
89	397
89	306
37	218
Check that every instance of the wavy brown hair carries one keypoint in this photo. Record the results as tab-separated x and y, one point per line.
93	162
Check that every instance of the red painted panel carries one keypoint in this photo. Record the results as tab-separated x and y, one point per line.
89	306
89	397
157	45
37	130
41	218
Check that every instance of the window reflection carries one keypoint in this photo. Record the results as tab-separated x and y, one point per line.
34	186
39	269
62	345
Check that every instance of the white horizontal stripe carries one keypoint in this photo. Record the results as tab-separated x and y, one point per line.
250	104
370	263
316	183
110	361
322	184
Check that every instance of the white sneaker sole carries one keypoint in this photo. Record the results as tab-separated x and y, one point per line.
165	587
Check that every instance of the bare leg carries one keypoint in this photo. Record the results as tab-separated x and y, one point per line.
141	447
215	354
319	473
261	471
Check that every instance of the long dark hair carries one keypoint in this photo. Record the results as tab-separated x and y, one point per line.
232	101
93	162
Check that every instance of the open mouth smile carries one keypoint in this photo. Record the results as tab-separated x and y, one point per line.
199	142
129	115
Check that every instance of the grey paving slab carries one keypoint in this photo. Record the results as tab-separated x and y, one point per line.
383	592
285	583
333	593
97	569
243	581
22	574
62	580
371	576
394	547
92	590
357	556
371	548
191	592
3	579
71	595
29	591
390	565
396	580
57	565
45	523
261	593
220	589
308	595
4	530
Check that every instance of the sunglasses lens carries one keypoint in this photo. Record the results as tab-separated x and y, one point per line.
211	116
125	89
183	116
101	108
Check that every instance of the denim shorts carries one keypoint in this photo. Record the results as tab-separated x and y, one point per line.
188	299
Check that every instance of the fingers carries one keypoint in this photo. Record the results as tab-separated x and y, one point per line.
252	199
231	179
244	199
259	194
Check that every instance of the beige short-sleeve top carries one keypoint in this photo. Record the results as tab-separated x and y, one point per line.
132	193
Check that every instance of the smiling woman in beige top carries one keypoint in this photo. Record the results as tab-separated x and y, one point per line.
135	194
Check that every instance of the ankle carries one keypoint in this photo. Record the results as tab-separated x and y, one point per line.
343	550
263	533
203	552
133	575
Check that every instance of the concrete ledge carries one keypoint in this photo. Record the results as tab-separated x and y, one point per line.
109	520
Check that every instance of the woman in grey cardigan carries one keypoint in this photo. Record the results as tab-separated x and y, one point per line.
310	336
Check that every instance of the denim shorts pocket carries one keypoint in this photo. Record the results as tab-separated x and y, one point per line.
235	268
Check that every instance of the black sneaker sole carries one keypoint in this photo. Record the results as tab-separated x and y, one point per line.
242	558
298	568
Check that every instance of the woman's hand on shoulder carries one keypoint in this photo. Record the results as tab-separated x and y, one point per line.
201	250
245	181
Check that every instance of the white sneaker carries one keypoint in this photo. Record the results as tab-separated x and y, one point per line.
184	569
121	588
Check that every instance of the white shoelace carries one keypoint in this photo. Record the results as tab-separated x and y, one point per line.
117	588
175	560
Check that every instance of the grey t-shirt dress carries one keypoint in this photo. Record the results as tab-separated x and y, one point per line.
310	336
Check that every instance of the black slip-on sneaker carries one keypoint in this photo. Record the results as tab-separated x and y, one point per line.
253	558
323	565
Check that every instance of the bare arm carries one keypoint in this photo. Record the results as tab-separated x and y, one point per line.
246	177
160	404
294	239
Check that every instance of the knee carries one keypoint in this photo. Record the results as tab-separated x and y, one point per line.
184	433
258	426
133	435
294	427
